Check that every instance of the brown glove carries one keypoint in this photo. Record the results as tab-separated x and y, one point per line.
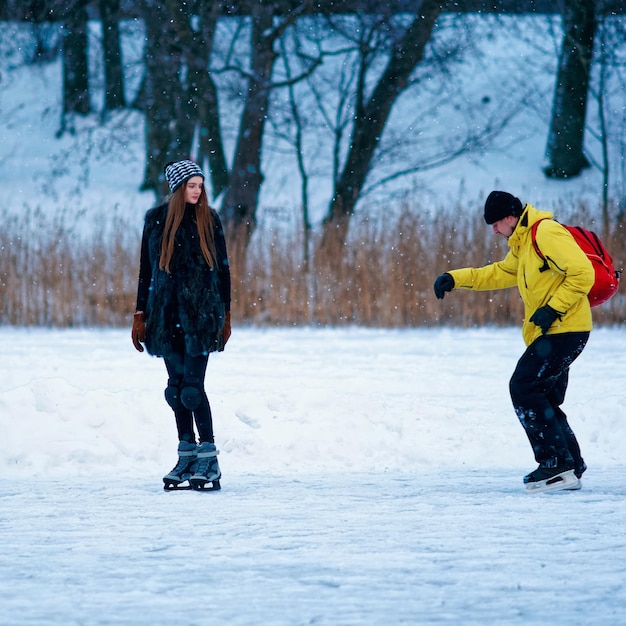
225	331
139	330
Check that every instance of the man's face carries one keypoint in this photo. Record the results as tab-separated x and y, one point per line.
505	226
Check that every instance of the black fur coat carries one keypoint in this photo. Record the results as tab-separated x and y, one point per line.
192	298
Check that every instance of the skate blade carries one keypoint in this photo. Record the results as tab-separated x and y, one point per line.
169	485
566	481
200	484
575	486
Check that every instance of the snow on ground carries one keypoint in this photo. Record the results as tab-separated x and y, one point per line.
370	476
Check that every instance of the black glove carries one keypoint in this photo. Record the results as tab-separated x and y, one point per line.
544	318
444	283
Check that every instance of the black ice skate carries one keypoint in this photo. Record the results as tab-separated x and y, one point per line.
187	455
551	477
207	474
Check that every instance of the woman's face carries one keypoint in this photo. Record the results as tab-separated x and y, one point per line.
193	189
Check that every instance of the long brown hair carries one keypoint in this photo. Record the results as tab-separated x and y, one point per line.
204	221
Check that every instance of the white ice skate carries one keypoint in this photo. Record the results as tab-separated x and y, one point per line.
544	479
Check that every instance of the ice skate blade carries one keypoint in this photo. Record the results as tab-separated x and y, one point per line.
566	481
169	485
200	484
577	486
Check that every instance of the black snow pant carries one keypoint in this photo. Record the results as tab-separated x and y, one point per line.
186	395
538	387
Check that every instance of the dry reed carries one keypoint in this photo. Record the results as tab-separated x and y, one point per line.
52	275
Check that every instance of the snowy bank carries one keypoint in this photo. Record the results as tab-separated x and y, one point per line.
84	402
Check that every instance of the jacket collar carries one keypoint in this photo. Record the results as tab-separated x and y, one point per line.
529	216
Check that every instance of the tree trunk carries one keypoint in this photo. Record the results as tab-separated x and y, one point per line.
75	66
113	73
241	199
211	144
370	119
565	141
202	110
168	129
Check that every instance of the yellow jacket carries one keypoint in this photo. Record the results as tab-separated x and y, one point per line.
564	286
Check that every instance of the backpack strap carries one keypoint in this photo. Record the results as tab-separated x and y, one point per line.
593	240
533	234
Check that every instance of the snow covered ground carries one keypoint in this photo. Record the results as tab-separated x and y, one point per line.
370	477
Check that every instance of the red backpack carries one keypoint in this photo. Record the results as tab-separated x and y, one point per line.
607	277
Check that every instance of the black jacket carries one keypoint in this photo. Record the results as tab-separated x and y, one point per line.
193	298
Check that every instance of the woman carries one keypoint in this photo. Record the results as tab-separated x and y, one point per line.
183	313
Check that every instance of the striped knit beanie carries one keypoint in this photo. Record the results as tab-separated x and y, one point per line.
178	172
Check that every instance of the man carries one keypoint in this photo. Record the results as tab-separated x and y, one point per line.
556	327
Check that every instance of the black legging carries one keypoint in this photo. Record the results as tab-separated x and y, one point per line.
538	388
186	395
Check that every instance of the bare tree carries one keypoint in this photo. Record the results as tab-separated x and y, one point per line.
162	96
178	67
113	72
371	115
353	46
606	90
241	198
565	152
75	64
183	78
299	126
194	25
